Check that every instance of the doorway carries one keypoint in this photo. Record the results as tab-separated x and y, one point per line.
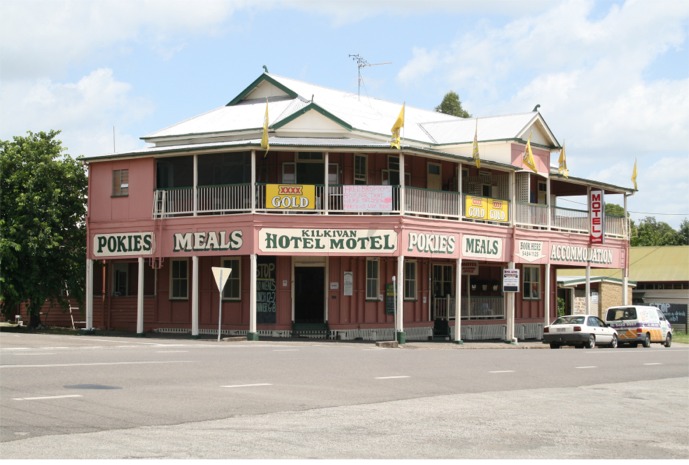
309	294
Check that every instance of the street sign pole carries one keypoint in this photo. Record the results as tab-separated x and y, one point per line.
221	276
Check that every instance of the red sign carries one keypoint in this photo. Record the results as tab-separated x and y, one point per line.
597	209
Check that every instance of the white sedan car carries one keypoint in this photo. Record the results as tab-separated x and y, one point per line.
579	331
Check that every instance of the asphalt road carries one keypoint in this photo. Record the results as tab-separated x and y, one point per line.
93	397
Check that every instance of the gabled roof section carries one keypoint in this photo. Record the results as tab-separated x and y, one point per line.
311	107
491	129
263	87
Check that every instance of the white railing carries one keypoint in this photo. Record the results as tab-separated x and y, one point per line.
529	214
445	204
570	220
473	308
236	198
615	226
226	198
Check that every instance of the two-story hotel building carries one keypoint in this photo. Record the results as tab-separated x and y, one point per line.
330	231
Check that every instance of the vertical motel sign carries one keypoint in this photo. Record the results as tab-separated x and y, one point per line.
597	215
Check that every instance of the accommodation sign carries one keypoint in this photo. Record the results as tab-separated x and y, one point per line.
122	245
567	253
327	240
291	196
487	248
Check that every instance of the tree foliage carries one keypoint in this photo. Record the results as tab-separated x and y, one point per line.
452	105
42	223
650	232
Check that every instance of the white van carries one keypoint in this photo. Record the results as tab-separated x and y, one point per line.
639	324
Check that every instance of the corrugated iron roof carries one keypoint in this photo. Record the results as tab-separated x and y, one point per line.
365	115
648	264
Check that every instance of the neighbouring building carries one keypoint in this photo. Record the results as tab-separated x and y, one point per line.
330	231
658	276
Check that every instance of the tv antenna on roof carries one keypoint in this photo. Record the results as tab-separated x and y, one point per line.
362	63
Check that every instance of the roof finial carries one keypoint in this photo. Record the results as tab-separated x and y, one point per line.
536	107
265	69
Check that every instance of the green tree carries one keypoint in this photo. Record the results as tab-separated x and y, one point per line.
612	209
684	232
452	105
653	233
42	224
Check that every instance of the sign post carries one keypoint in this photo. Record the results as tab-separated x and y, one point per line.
510	280
221	276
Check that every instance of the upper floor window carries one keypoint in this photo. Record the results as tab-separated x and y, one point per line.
360	170
120	183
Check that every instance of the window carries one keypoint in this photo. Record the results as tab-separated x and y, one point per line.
360	170
120	183
233	288
120	278
372	279
333	174
532	282
410	280
179	279
442	280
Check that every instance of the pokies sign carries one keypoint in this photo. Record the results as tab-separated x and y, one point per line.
123	245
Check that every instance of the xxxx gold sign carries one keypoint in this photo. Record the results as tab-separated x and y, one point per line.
291	196
483	208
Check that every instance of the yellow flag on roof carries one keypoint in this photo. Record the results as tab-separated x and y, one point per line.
474	153
562	162
528	158
399	124
264	138
634	176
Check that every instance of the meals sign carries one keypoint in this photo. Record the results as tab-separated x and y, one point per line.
327	240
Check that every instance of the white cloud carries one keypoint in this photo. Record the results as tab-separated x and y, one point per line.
42	36
85	111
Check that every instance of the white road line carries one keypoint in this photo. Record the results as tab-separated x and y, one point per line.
652	363
391	377
586	367
48	397
62	365
246	385
37	353
502	371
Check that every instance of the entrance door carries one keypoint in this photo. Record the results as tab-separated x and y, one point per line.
443	292
309	294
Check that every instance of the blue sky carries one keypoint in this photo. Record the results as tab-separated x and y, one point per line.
612	77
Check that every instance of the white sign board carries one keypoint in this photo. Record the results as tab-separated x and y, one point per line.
221	275
510	280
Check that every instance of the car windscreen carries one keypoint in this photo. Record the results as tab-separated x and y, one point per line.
569	320
618	314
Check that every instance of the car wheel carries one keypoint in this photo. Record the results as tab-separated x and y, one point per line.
647	340
613	343
554	345
591	342
668	340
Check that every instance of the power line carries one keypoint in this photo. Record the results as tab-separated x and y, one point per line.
630	211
